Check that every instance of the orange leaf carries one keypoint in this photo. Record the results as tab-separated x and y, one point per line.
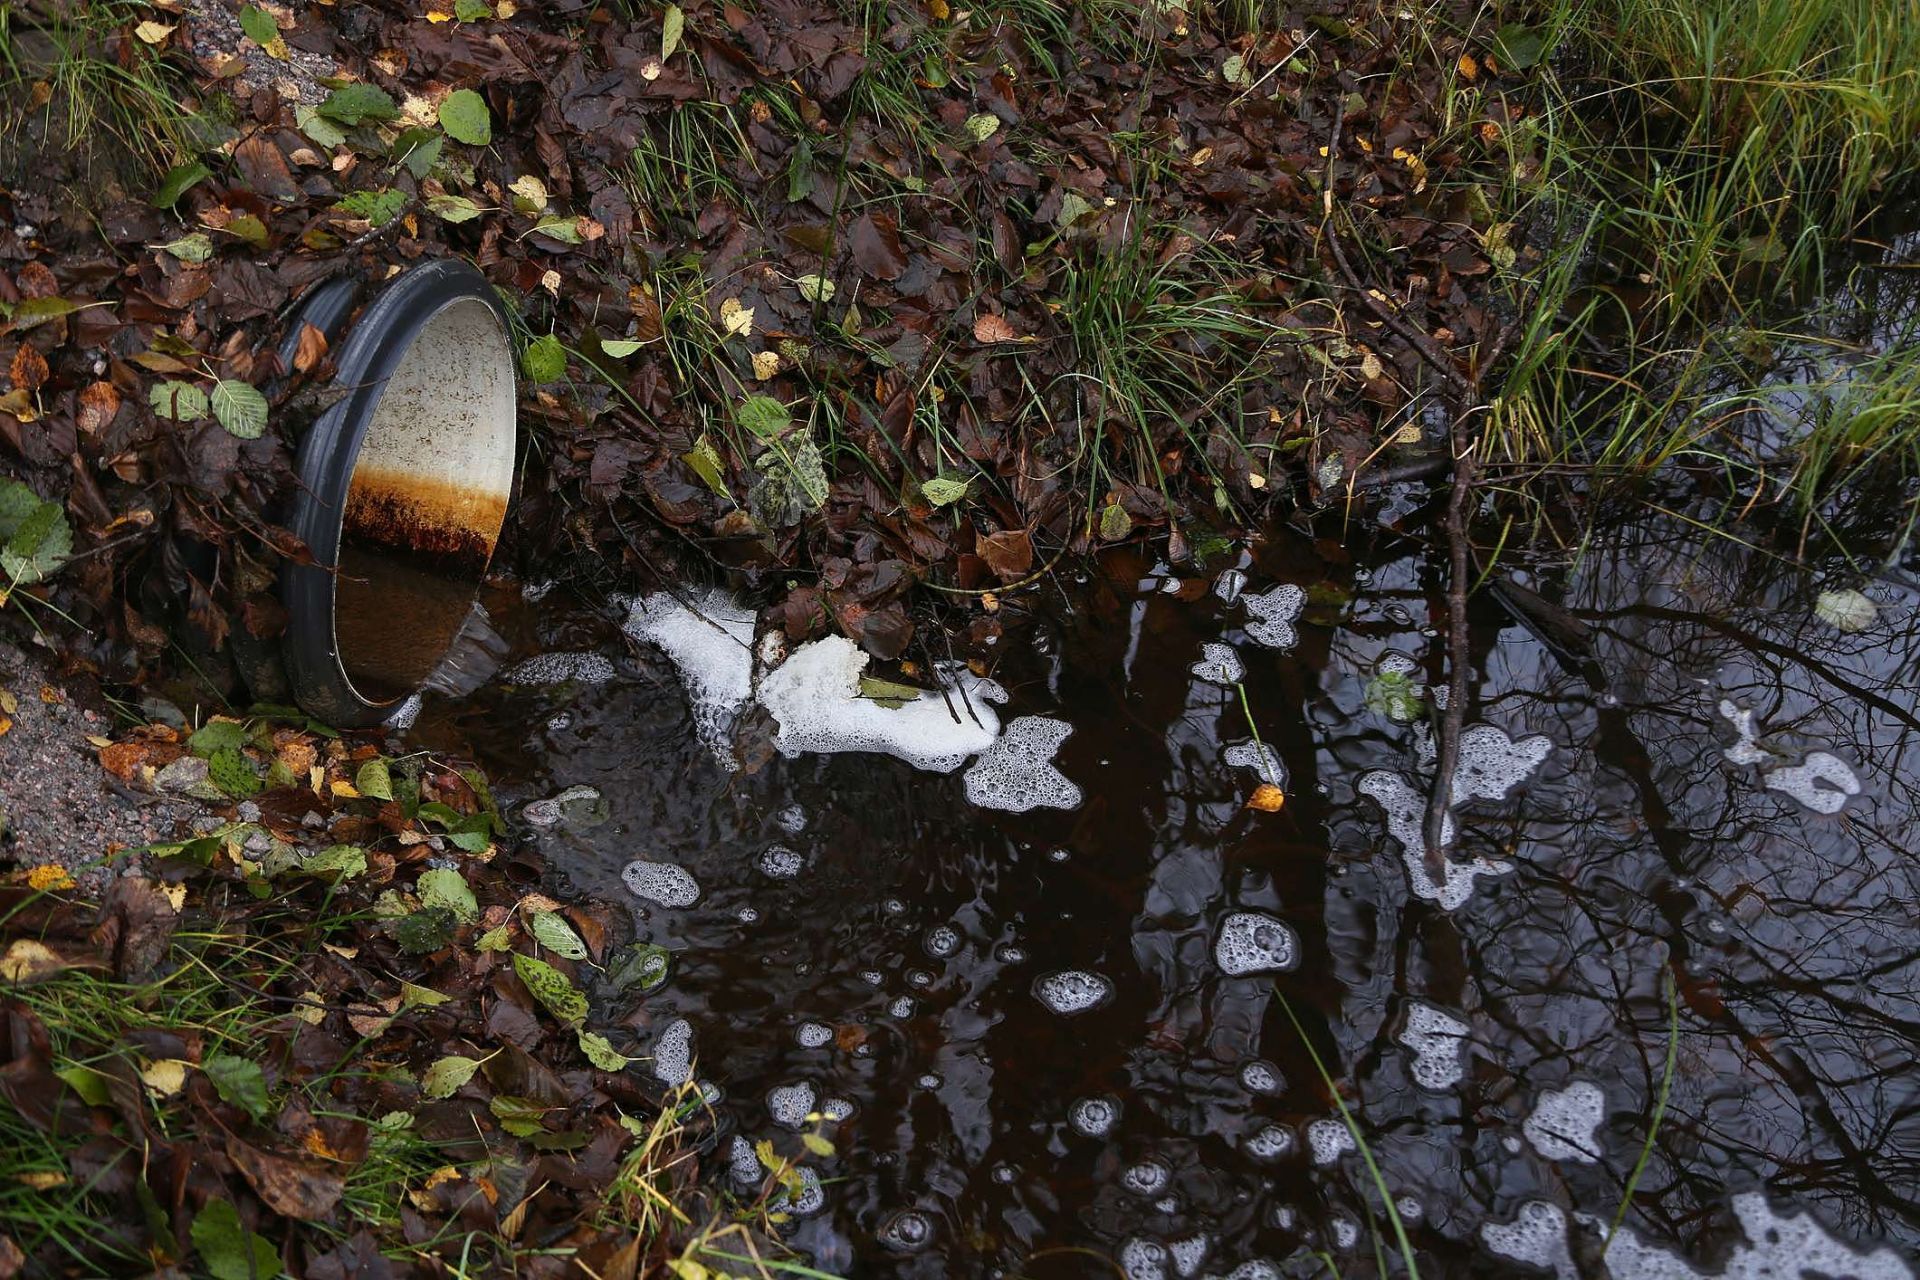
29	369
99	401
1267	798
992	328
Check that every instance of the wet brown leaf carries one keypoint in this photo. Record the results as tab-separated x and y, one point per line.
299	1189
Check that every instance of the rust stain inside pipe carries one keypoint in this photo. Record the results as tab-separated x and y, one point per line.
455	525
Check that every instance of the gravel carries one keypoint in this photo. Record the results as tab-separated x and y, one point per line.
56	803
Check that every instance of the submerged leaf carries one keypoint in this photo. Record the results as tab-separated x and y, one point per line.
1845	609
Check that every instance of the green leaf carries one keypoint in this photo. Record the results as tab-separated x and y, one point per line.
940	490
233	773
600	1052
445	887
249	228
518	1116
38	545
17	503
817	1144
887	693
215	735
982	126
239	407
706	463
239	1081
1517	46
451	208
765	416
671	28
426	931
181	401
447	1075
560	226
374	779
319	128
412	997
620	348
640	964
1115	523
551	988
494	939
259	25
29	313
464	115
418	150
356	104
815	288
552	931
342	861
544	360
229	1250
377	207
472	10
94	1087
179	180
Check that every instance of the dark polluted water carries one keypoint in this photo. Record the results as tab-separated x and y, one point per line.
1056	1042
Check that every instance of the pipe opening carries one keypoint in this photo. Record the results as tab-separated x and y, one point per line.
426	502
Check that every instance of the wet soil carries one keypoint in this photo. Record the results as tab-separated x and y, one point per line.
1638	852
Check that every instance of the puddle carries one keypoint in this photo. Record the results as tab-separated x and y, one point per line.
1029	1031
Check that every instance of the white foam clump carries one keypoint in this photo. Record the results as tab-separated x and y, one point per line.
1259	757
1270	1143
1229	585
1800	781
1273	614
743	1166
792	819
812	1035
1258	1269
781	862
673	1053
1406	812
1093	1117
1562	1124
1537	1236
709	640
1328	1139
661	883
1146	1178
1346	1233
1260	1077
1491	764
1219	664
815	696
1435	1039
790	1104
1143	1260
1072	991
558	668
1250	942
1189	1253
1016	773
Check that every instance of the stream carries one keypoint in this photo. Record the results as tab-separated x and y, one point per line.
1083	1042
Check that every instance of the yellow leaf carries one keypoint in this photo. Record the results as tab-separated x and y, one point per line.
165	1076
29	961
153	32
765	364
309	1010
49	876
1468	67
175	894
1267	798
736	319
344	790
41	1179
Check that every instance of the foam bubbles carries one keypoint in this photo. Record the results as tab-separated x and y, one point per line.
1259	757
1269	1143
902	1007
813	1035
1072	991
1261	1077
1229	585
809	1197
1405	812
1017	773
1250	942
1146	1177
661	883
1272	614
836	1109
1328	1140
1188	1254
815	697
1144	1260
709	640
743	1166
781	863
792	819
1537	1236
1094	1117
1562	1124
1777	1245
1802	782
790	1104
1219	664
942	941
673	1054
1436	1039
559	668
1346	1233
1257	1269
907	1231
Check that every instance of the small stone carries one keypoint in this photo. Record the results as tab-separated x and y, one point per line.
182	776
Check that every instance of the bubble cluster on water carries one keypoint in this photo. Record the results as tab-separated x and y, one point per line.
1249	943
804	1200
1189	1254
791	1104
1007	953
1229	585
1094	1117
1261	1077
1563	1121
929	1080
902	1007
1537	1236
661	883
1329	1139
1144	1259
906	1231
1146	1177
919	978
1219	664
813	1035
1017	772
1409	1209
872	977
1436	1039
1406	812
1777	1246
578	803
673	1053
1272	614
941	942
814	696
781	863
1491	764
1269	1143
743	1166
1257	1269
1259	757
748	915
708	638
559	668
1072	991
792	819
1345	1231
836	1109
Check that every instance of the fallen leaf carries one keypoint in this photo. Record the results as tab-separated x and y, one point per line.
991	328
1267	798
29	961
299	1189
